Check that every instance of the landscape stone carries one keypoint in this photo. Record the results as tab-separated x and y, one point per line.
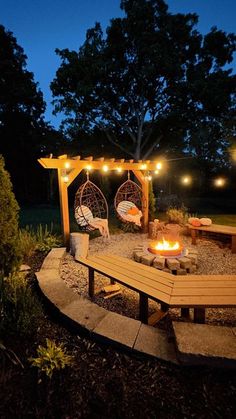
192	257
138	256
181	271
120	329
173	264
155	342
159	262
192	269
147	260
82	311
185	262
203	344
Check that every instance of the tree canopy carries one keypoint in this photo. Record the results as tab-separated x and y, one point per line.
150	83
22	128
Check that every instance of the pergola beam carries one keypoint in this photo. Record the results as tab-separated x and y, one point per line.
69	168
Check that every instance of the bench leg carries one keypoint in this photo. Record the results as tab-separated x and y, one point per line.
185	312
91	282
112	282
233	247
143	308
199	315
194	236
164	307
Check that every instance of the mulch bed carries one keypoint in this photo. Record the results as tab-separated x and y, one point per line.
105	383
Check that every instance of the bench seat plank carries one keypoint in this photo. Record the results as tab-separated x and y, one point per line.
216	228
204	292
166	277
201	301
124	279
152	278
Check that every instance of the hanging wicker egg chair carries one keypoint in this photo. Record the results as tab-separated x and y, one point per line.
128	202
90	204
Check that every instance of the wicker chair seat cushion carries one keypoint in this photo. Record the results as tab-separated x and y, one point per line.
83	215
123	208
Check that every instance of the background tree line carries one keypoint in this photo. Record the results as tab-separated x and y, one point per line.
150	85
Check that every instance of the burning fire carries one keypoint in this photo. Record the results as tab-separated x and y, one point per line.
166	247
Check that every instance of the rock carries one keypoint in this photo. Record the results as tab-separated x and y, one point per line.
181	271
193	258
138	256
147	260
185	262
25	268
173	264
192	269
159	262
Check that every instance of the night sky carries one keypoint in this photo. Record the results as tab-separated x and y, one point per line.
40	26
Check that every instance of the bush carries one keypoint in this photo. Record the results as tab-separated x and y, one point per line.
19	309
45	238
177	215
152	203
51	358
27	241
9	210
42	239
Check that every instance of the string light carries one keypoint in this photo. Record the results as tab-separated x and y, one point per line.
159	166
119	169
89	167
143	166
65	178
67	165
186	180
156	172
220	182
149	177
105	168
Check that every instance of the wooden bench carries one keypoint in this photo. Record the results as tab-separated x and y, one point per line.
193	291
147	281
215	228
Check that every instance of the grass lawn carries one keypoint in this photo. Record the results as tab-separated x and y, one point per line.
33	216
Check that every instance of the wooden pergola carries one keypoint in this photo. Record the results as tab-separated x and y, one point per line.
68	168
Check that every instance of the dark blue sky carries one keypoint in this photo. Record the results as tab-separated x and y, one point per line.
40	26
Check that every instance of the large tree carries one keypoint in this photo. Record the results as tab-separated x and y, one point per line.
148	81
22	129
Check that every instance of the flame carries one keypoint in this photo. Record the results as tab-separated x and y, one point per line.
166	245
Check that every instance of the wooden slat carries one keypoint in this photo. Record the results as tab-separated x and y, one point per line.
189	278
205	284
137	277
204	292
167	278
133	270
123	279
200	301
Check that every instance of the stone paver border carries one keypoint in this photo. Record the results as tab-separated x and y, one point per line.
103	325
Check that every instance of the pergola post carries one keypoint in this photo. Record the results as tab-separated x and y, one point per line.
64	208
145	197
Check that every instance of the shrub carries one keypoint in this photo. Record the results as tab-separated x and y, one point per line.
51	358
177	215
45	238
27	241
10	255
130	227
20	310
152	202
42	239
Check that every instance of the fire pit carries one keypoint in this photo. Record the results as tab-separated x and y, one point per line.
166	247
167	253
